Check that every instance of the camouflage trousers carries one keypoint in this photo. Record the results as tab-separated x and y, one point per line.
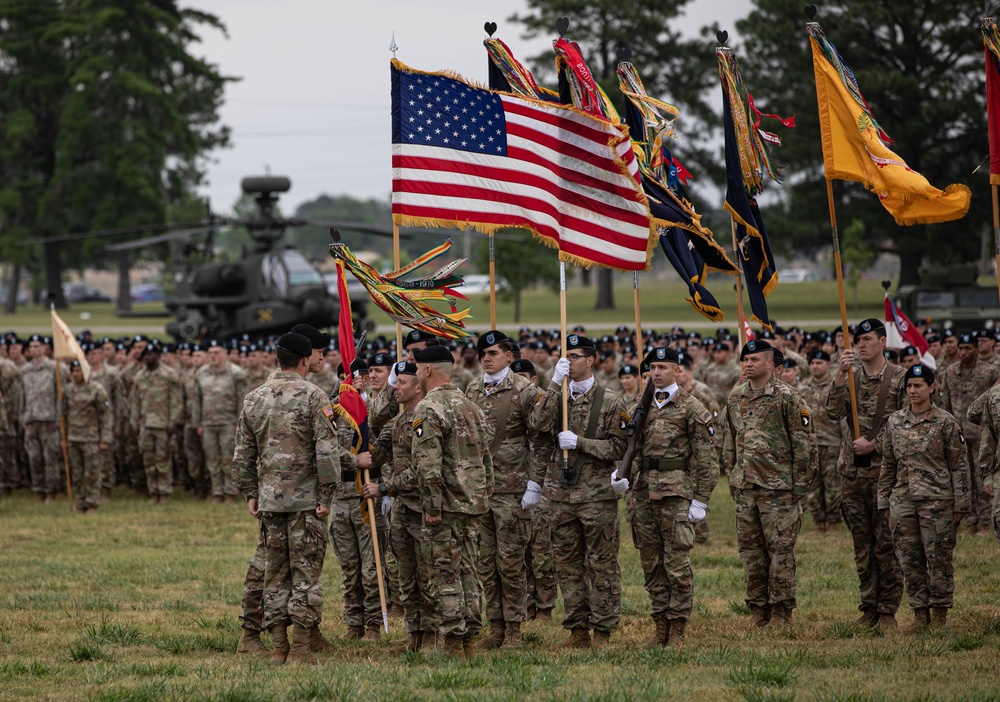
541	585
996	513
767	527
9	473
827	489
194	459
130	467
504	532
155	449
924	536
218	444
880	579
413	561
252	618
86	467
452	578
664	537
107	459
981	514
351	538
585	540
42	444
178	461
294	547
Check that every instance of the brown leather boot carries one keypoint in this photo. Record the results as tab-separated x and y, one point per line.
677	627
412	643
939	617
531	612
498	629
319	643
921	620
887	623
759	617
869	617
512	638
602	639
279	635
543	615
781	615
454	646
250	643
354	633
578	638
395	611
662	633
469	647
300	651
372	633
428	643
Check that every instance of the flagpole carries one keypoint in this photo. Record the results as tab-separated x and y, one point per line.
740	313
562	354
638	322
996	231
397	264
493	287
62	425
843	304
378	557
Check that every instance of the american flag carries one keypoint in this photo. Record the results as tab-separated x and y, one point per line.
464	156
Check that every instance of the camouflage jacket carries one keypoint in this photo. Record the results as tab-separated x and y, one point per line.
326	380
12	392
988	460
925	458
767	440
393	453
451	452
217	396
461	377
838	404
382	408
286	454
675	454
720	377
521	457
256	378
40	403
601	454
608	380
960	387
88	411
156	401
345	489
814	393
110	379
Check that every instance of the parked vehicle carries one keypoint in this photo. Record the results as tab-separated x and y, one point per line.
83	292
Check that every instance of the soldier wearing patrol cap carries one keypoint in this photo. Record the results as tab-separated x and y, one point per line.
519	463
923	493
675	470
766	455
583	493
880	391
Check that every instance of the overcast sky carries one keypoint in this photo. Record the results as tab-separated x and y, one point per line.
313	103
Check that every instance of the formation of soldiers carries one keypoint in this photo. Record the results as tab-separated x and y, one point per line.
493	493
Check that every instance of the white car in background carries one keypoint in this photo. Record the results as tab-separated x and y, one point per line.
475	284
798	275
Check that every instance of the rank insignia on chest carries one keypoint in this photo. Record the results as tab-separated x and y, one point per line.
624	419
328	411
805	418
418	427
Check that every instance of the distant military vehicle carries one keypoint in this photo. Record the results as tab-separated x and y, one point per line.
950	293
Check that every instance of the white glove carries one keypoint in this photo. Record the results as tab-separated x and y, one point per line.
561	371
393	377
567	440
617	485
532	496
696	512
386	505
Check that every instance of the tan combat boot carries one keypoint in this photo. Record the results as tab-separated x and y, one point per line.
300	651
921	620
887	623
939	617
395	611
512	638
543	615
428	643
578	638
354	633
869	618
759	617
469	648
319	643
498	629
781	615
454	646
279	635
677	627
662	633
412	643
372	633
250	643
602	639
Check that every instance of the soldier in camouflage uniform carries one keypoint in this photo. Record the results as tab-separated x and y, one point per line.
155	413
963	383
675	469
219	388
988	407
519	464
40	418
11	390
924	491
583	493
130	463
704	395
721	373
825	494
392	452
109	379
455	475
286	464
255	370
382	405
766	456
879	576
89	421
194	454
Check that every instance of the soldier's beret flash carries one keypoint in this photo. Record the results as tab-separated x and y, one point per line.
920	371
415	337
965	339
909	351
867	326
752	347
382	360
821	355
74	363
661	355
490	338
579	341
36	338
434	354
628	369
404	368
317	339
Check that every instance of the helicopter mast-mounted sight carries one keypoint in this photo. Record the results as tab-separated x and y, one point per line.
266	230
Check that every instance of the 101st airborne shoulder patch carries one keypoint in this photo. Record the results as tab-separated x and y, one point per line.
706	417
418	427
805	417
625	419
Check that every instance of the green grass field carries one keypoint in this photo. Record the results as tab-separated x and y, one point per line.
811	305
141	603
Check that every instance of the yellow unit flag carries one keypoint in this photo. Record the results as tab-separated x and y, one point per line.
65	344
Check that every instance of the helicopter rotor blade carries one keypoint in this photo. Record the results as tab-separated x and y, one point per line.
120	231
159	239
